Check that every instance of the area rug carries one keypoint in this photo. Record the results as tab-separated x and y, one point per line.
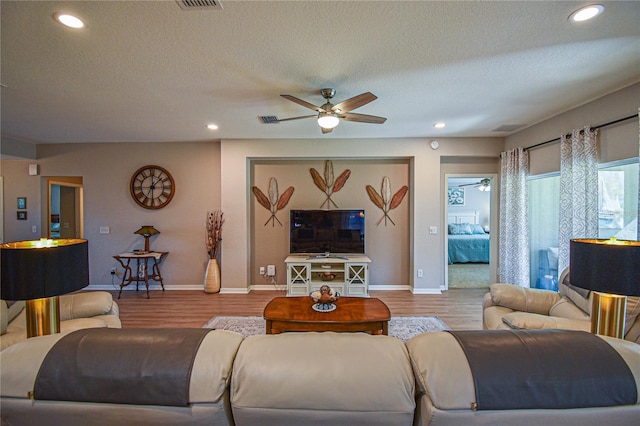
469	275
404	328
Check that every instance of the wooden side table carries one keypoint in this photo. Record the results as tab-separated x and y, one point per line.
141	260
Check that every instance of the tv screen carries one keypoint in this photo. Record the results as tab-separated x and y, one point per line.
326	231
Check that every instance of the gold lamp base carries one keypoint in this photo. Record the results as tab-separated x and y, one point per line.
43	316
608	313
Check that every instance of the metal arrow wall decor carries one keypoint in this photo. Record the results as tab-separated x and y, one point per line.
275	201
384	201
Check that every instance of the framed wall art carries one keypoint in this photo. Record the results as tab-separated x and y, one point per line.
22	215
22	203
456	196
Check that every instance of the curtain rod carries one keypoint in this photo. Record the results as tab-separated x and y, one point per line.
592	128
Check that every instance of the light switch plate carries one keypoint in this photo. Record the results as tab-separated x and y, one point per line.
104	230
433	230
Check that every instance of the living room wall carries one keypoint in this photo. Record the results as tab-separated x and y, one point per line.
425	251
387	245
106	169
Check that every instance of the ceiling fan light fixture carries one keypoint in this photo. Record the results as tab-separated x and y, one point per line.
328	120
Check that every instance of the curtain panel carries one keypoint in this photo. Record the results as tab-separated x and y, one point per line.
513	252
578	190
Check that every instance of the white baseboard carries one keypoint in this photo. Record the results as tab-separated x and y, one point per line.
382	287
426	291
256	287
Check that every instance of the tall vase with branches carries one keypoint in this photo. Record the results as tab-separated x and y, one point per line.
215	220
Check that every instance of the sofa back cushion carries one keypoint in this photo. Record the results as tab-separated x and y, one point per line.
523	299
322	378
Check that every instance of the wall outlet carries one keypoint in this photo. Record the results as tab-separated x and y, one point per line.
34	229
420	273
271	270
262	271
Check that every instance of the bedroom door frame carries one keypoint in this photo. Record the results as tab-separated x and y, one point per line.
493	223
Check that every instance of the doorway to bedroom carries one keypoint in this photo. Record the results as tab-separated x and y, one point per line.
468	223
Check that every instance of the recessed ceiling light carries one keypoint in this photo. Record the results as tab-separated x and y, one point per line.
68	20
212	126
439	125
586	13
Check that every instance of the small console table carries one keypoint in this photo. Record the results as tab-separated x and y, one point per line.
142	269
349	276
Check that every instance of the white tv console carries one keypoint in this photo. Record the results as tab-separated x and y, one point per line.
308	273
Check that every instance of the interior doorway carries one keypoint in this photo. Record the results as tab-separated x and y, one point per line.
470	246
65	212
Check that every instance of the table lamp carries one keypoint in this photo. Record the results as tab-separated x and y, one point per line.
147	231
38	272
611	269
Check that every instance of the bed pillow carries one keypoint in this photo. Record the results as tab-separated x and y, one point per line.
476	229
460	229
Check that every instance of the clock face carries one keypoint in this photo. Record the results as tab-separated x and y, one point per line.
435	144
152	187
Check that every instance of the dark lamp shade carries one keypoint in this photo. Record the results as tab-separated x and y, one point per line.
43	268
147	230
608	266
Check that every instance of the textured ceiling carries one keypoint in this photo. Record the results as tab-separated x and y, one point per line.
150	71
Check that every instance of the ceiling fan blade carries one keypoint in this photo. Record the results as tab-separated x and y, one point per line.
355	102
325	130
363	118
295	118
303	103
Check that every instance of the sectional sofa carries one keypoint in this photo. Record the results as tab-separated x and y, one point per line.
89	309
316	379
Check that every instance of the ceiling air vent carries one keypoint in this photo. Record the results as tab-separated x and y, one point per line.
199	4
508	128
268	119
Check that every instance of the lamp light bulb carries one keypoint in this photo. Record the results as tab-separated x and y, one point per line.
328	120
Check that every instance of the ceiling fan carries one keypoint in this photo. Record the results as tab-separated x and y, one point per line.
329	115
483	185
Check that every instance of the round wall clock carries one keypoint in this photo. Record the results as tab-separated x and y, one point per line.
435	144
152	187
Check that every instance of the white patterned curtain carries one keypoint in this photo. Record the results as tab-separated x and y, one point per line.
578	190
513	254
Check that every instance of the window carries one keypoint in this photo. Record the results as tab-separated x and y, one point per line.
617	213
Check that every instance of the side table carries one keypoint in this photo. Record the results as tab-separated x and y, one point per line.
142	261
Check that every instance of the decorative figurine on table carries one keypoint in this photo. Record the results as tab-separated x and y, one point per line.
324	299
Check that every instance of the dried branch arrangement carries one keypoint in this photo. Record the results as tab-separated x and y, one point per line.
327	184
215	219
275	201
384	201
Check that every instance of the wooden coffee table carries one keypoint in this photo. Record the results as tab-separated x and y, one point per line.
352	314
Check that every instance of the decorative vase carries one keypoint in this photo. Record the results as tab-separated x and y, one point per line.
212	277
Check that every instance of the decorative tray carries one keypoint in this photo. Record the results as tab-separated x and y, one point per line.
324	307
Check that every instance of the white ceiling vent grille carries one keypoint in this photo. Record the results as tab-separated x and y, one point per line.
508	128
268	119
199	4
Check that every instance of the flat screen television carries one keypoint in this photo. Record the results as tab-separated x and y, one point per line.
326	232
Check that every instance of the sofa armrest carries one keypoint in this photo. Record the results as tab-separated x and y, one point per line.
523	299
530	321
85	305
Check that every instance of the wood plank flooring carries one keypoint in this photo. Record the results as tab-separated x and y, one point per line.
461	309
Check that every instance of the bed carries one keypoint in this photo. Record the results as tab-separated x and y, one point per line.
467	240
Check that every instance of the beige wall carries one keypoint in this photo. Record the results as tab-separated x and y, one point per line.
387	246
617	142
424	198
106	169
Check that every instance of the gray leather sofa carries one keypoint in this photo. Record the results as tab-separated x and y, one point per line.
301	379
90	309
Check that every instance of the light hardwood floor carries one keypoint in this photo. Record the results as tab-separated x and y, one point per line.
461	309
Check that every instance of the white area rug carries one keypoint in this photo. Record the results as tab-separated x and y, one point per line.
403	328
